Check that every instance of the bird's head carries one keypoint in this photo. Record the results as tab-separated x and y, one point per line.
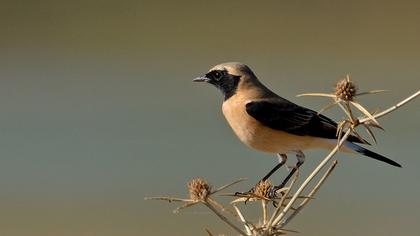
227	77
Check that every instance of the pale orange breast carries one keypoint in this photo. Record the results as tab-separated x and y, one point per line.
244	126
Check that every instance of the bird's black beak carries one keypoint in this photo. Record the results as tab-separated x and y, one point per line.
201	79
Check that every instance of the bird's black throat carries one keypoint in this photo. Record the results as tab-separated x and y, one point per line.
228	84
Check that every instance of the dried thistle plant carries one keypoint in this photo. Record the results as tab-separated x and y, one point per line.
345	89
199	189
201	193
263	189
344	96
270	224
287	202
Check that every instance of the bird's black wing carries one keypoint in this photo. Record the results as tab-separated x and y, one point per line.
281	114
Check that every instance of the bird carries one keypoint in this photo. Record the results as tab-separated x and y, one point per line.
264	121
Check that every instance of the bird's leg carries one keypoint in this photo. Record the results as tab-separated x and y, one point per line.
300	160
282	159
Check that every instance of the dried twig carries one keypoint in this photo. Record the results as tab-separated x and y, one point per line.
311	176
393	108
224	218
312	193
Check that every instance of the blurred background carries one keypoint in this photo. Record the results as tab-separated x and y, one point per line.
98	110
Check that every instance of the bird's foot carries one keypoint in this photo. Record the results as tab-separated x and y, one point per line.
275	193
248	194
262	190
243	194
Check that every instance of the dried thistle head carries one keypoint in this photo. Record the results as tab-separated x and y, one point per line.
345	89
199	189
263	189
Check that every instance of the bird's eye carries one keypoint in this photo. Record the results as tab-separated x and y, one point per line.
218	75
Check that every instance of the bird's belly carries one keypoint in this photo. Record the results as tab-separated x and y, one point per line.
262	138
274	141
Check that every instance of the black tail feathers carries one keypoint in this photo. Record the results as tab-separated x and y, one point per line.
371	154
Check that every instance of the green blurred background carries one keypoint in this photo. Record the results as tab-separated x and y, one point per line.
98	110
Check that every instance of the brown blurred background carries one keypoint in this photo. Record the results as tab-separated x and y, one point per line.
98	110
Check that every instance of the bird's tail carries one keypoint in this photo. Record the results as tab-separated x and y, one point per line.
370	154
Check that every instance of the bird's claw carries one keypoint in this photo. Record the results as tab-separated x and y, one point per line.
275	194
241	194
248	194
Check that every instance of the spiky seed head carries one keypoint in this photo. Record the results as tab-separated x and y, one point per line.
199	189
345	89
262	189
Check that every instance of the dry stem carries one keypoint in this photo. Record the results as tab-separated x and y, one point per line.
311	176
393	108
312	193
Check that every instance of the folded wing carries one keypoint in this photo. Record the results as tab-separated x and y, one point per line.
281	114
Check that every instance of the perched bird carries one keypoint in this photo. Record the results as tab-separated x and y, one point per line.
269	123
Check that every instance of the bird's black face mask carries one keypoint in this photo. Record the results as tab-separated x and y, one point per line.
224	81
